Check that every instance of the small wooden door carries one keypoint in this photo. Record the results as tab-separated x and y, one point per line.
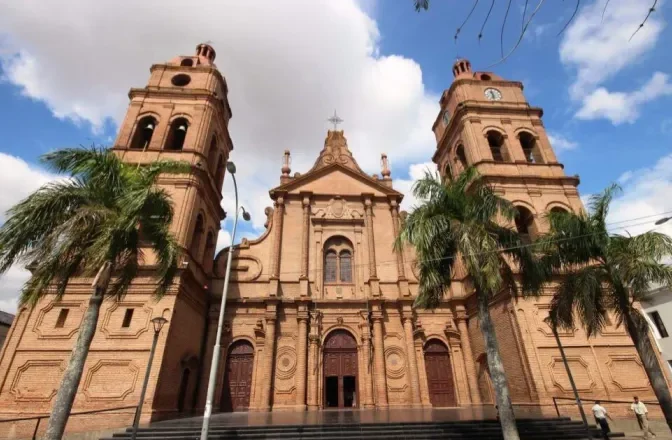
238	377
439	374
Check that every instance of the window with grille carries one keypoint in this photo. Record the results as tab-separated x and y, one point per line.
62	317
338	261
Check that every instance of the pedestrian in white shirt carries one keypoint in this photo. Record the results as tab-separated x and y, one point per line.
601	416
642	416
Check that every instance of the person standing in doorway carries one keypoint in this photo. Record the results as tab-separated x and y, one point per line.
642	416
601	416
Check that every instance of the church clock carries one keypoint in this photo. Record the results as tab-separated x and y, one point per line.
492	94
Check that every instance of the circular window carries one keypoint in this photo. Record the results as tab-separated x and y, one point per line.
181	80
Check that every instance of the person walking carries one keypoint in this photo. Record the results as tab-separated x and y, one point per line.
642	416
601	416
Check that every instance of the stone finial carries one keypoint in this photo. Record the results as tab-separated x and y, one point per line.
385	165
205	53
286	160
462	68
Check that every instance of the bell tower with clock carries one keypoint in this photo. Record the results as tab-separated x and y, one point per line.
486	122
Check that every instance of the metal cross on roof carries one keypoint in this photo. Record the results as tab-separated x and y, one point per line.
335	120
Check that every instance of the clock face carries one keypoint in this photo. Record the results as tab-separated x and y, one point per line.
446	117
492	94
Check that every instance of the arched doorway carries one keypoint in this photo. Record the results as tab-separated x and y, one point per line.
238	377
439	374
340	370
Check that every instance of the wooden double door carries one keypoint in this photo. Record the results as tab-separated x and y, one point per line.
238	377
439	374
340	371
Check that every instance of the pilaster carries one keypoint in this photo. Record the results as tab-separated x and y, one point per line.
367	395
302	317
269	347
379	358
305	245
401	271
407	319
313	361
374	284
467	353
279	213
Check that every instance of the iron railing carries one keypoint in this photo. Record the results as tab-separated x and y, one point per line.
46	416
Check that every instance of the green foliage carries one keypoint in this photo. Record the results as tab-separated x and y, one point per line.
597	271
463	221
106	211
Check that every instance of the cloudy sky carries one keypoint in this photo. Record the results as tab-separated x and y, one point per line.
66	67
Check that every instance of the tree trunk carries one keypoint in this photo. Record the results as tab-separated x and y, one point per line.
653	371
73	374
496	367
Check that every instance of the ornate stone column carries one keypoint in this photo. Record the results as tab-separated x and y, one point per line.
394	210
277	244
267	370
379	358
367	397
373	272
313	359
305	245
461	318
301	357
412	358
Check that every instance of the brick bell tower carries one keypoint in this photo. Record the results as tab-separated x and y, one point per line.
182	114
486	122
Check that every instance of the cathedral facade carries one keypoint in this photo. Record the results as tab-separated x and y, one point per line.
319	312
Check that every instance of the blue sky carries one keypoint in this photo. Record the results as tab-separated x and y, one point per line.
65	77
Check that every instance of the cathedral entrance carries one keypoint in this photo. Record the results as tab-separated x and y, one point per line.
238	377
439	374
340	370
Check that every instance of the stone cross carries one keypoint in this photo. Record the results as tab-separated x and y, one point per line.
335	120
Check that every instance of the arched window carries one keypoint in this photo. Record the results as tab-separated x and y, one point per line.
338	261
197	237
530	148
496	143
330	267
219	175
461	157
208	254
177	135
524	222
345	266
559	209
143	133
212	155
447	173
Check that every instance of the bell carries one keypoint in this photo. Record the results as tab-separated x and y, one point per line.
149	127
182	128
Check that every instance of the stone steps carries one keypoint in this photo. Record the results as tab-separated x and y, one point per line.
532	429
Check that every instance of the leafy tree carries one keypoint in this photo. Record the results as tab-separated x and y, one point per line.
97	221
464	223
595	271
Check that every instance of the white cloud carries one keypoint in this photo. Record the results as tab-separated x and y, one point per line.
415	172
622	107
646	195
560	143
287	67
599	47
17	180
223	240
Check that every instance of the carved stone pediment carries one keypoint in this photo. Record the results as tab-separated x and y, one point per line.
337	209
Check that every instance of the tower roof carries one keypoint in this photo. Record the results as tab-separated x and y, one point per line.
205	56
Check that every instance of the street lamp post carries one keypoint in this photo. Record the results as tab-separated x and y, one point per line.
158	323
214	365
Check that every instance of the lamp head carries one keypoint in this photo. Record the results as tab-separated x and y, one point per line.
246	215
231	167
159	322
662	220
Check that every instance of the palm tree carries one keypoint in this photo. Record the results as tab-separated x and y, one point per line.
96	222
464	223
596	271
